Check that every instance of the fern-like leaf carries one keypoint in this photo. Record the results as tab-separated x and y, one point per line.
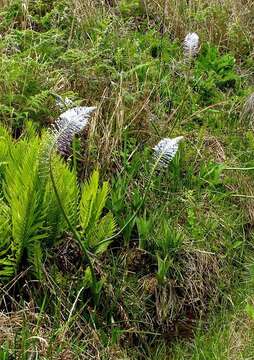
35	256
95	228
7	260
68	192
104	229
88	198
24	194
38	101
100	200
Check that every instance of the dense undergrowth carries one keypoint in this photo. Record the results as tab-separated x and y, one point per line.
103	253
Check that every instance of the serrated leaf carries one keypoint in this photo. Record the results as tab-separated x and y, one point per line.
88	198
102	231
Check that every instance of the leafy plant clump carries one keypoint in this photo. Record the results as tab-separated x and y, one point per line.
31	217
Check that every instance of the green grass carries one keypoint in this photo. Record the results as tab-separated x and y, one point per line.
174	279
229	335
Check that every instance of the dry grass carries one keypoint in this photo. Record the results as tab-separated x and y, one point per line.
228	23
43	341
9	325
3	3
173	308
240	337
215	148
190	293
12	324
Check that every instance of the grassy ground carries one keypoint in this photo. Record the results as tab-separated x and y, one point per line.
175	280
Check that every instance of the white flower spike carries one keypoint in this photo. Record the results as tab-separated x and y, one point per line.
166	150
70	123
191	44
248	109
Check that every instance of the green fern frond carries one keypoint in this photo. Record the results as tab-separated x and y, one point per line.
88	198
7	261
5	143
104	229
93	200
35	257
24	194
100	201
38	101
68	191
30	214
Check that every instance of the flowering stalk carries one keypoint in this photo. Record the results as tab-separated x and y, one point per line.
166	150
155	166
191	45
67	126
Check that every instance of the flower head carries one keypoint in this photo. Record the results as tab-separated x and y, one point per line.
166	149
191	44
70	123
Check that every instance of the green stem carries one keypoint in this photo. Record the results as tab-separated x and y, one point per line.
71	227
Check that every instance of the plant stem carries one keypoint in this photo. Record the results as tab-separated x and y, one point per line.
71	227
